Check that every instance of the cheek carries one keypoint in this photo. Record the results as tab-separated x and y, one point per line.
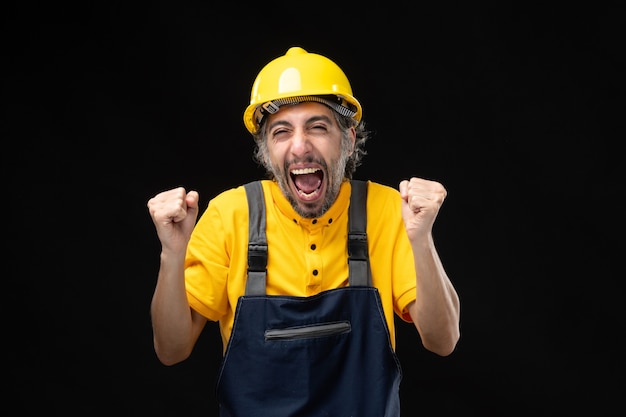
276	153
331	151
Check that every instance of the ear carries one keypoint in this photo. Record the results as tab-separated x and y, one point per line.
352	139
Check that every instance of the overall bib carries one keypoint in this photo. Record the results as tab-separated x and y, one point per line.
325	355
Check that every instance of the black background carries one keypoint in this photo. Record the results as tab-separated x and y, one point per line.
517	109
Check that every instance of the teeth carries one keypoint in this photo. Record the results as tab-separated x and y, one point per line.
304	171
305	194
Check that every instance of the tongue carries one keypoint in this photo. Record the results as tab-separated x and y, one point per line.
307	182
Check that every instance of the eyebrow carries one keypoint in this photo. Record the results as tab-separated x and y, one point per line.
312	119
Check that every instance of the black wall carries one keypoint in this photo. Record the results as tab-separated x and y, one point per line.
517	110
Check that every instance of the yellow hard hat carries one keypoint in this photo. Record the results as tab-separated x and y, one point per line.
300	76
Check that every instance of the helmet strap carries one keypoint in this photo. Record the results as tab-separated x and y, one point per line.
273	106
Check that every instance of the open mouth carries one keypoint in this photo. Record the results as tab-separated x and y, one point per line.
308	182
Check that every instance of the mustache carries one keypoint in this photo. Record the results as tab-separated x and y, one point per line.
308	160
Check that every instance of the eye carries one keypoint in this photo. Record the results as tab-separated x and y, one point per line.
279	132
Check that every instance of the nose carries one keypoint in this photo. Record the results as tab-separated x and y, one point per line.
300	143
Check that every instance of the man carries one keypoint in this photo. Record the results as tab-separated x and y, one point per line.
306	310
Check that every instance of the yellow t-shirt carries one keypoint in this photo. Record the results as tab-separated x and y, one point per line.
305	256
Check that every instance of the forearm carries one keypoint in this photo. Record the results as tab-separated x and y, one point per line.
170	312
436	311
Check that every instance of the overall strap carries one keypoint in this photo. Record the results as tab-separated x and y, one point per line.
358	253
257	242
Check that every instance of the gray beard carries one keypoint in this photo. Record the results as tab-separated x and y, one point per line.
333	185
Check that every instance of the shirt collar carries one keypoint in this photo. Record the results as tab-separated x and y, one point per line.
339	207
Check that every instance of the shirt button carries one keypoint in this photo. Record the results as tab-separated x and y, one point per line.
313	246
315	272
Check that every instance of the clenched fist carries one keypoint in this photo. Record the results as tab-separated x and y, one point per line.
174	213
421	200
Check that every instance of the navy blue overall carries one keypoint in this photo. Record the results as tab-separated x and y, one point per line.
324	355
